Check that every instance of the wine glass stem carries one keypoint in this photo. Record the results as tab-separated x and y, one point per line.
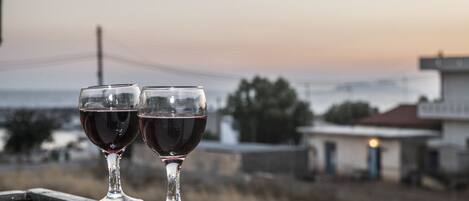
173	169
115	189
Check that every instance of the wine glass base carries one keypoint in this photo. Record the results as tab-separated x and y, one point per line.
121	197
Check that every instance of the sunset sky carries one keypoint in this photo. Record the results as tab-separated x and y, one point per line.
304	39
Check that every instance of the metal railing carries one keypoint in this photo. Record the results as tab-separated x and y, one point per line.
445	63
444	110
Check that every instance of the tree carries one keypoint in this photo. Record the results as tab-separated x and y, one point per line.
349	112
267	112
27	130
422	99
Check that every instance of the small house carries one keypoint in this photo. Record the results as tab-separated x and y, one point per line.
388	146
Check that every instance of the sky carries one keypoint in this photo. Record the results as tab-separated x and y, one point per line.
303	40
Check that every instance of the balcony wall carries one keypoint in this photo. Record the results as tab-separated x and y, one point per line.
453	110
456	64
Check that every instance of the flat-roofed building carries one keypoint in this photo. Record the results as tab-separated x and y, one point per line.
383	147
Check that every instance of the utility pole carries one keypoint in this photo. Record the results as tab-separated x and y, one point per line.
99	54
1	21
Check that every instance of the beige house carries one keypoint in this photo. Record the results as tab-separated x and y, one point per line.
385	152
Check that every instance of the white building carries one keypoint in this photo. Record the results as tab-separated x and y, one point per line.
451	151
390	145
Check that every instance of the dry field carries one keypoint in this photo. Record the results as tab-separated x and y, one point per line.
149	184
92	183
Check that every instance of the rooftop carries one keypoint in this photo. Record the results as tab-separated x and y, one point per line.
369	131
403	116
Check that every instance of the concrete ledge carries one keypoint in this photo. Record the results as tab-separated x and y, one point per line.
13	195
39	194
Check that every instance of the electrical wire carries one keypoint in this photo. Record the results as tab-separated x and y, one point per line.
43	63
168	68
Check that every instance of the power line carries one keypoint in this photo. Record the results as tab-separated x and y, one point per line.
40	60
142	61
348	86
42	64
168	68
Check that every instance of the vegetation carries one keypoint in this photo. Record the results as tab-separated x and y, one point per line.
92	183
26	131
422	99
210	136
267	112
349	112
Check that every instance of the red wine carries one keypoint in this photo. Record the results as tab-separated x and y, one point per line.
111	131
172	136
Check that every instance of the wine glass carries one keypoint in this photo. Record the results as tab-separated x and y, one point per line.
172	120
108	114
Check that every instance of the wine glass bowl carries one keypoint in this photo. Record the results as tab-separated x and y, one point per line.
108	114
172	120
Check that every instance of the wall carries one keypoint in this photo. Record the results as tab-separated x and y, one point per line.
455	86
455	133
412	155
213	123
449	159
292	162
220	163
352	154
391	160
229	163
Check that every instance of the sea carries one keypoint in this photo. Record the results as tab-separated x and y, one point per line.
38	98
320	99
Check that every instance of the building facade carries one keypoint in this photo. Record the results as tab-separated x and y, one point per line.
387	153
389	146
451	152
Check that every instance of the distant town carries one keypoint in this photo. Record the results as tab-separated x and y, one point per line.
423	144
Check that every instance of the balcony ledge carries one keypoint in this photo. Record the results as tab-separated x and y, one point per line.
39	194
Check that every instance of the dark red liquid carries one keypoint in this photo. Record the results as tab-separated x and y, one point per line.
175	136
111	131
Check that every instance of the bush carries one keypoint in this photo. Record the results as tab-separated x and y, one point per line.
27	130
349	112
267	112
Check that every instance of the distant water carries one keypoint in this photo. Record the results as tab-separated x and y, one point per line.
384	97
57	98
38	98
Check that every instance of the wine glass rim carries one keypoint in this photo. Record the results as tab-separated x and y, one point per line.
172	87
109	86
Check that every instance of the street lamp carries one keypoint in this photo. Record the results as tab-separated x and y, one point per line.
373	142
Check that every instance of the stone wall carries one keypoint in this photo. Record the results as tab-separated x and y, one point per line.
292	162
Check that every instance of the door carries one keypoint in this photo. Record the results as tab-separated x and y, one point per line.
433	161
374	162
331	157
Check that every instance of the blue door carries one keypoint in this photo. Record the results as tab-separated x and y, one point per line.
374	163
331	157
